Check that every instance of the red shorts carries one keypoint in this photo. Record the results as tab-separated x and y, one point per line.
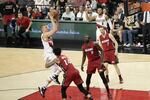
7	19
75	77
109	57
93	65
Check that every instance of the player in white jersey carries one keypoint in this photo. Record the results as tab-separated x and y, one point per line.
49	57
101	20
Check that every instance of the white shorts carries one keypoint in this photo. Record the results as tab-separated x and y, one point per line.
49	57
55	70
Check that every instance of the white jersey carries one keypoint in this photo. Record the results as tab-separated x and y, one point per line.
100	20
48	50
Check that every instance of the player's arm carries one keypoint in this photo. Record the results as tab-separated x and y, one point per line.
27	30
99	47
83	60
55	26
48	64
115	42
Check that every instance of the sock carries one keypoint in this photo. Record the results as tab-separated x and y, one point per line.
107	76
119	76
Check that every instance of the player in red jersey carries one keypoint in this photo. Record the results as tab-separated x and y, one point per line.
110	47
70	74
95	61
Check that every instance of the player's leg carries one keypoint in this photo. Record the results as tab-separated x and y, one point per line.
106	72
85	92
88	81
53	77
43	88
78	81
55	71
105	82
63	92
114	60
119	73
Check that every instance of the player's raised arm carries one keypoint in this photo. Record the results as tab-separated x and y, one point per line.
55	23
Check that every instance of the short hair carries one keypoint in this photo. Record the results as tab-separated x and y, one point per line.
87	36
57	51
41	26
20	13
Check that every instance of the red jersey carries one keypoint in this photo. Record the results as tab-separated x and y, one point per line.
66	65
106	42
91	51
23	22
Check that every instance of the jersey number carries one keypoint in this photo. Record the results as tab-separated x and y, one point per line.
66	62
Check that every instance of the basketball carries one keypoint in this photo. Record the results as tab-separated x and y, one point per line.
54	13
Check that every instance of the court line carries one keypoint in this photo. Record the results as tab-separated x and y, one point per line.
18	89
48	69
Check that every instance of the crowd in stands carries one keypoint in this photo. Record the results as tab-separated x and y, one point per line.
109	13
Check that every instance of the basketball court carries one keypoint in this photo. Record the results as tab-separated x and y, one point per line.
22	71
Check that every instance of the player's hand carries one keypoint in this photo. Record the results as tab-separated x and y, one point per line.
27	30
116	53
82	68
142	23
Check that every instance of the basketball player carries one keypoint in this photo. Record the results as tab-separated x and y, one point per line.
91	50
110	47
49	57
101	19
70	74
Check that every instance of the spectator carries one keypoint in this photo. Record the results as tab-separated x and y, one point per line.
94	4
70	3
89	15
24	26
36	14
101	3
108	19
68	15
29	12
101	20
79	2
25	3
88	3
23	9
53	2
30	3
75	11
62	5
80	14
130	31
146	29
117	28
120	12
8	11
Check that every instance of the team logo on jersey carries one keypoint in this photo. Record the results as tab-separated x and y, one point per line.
89	49
105	41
